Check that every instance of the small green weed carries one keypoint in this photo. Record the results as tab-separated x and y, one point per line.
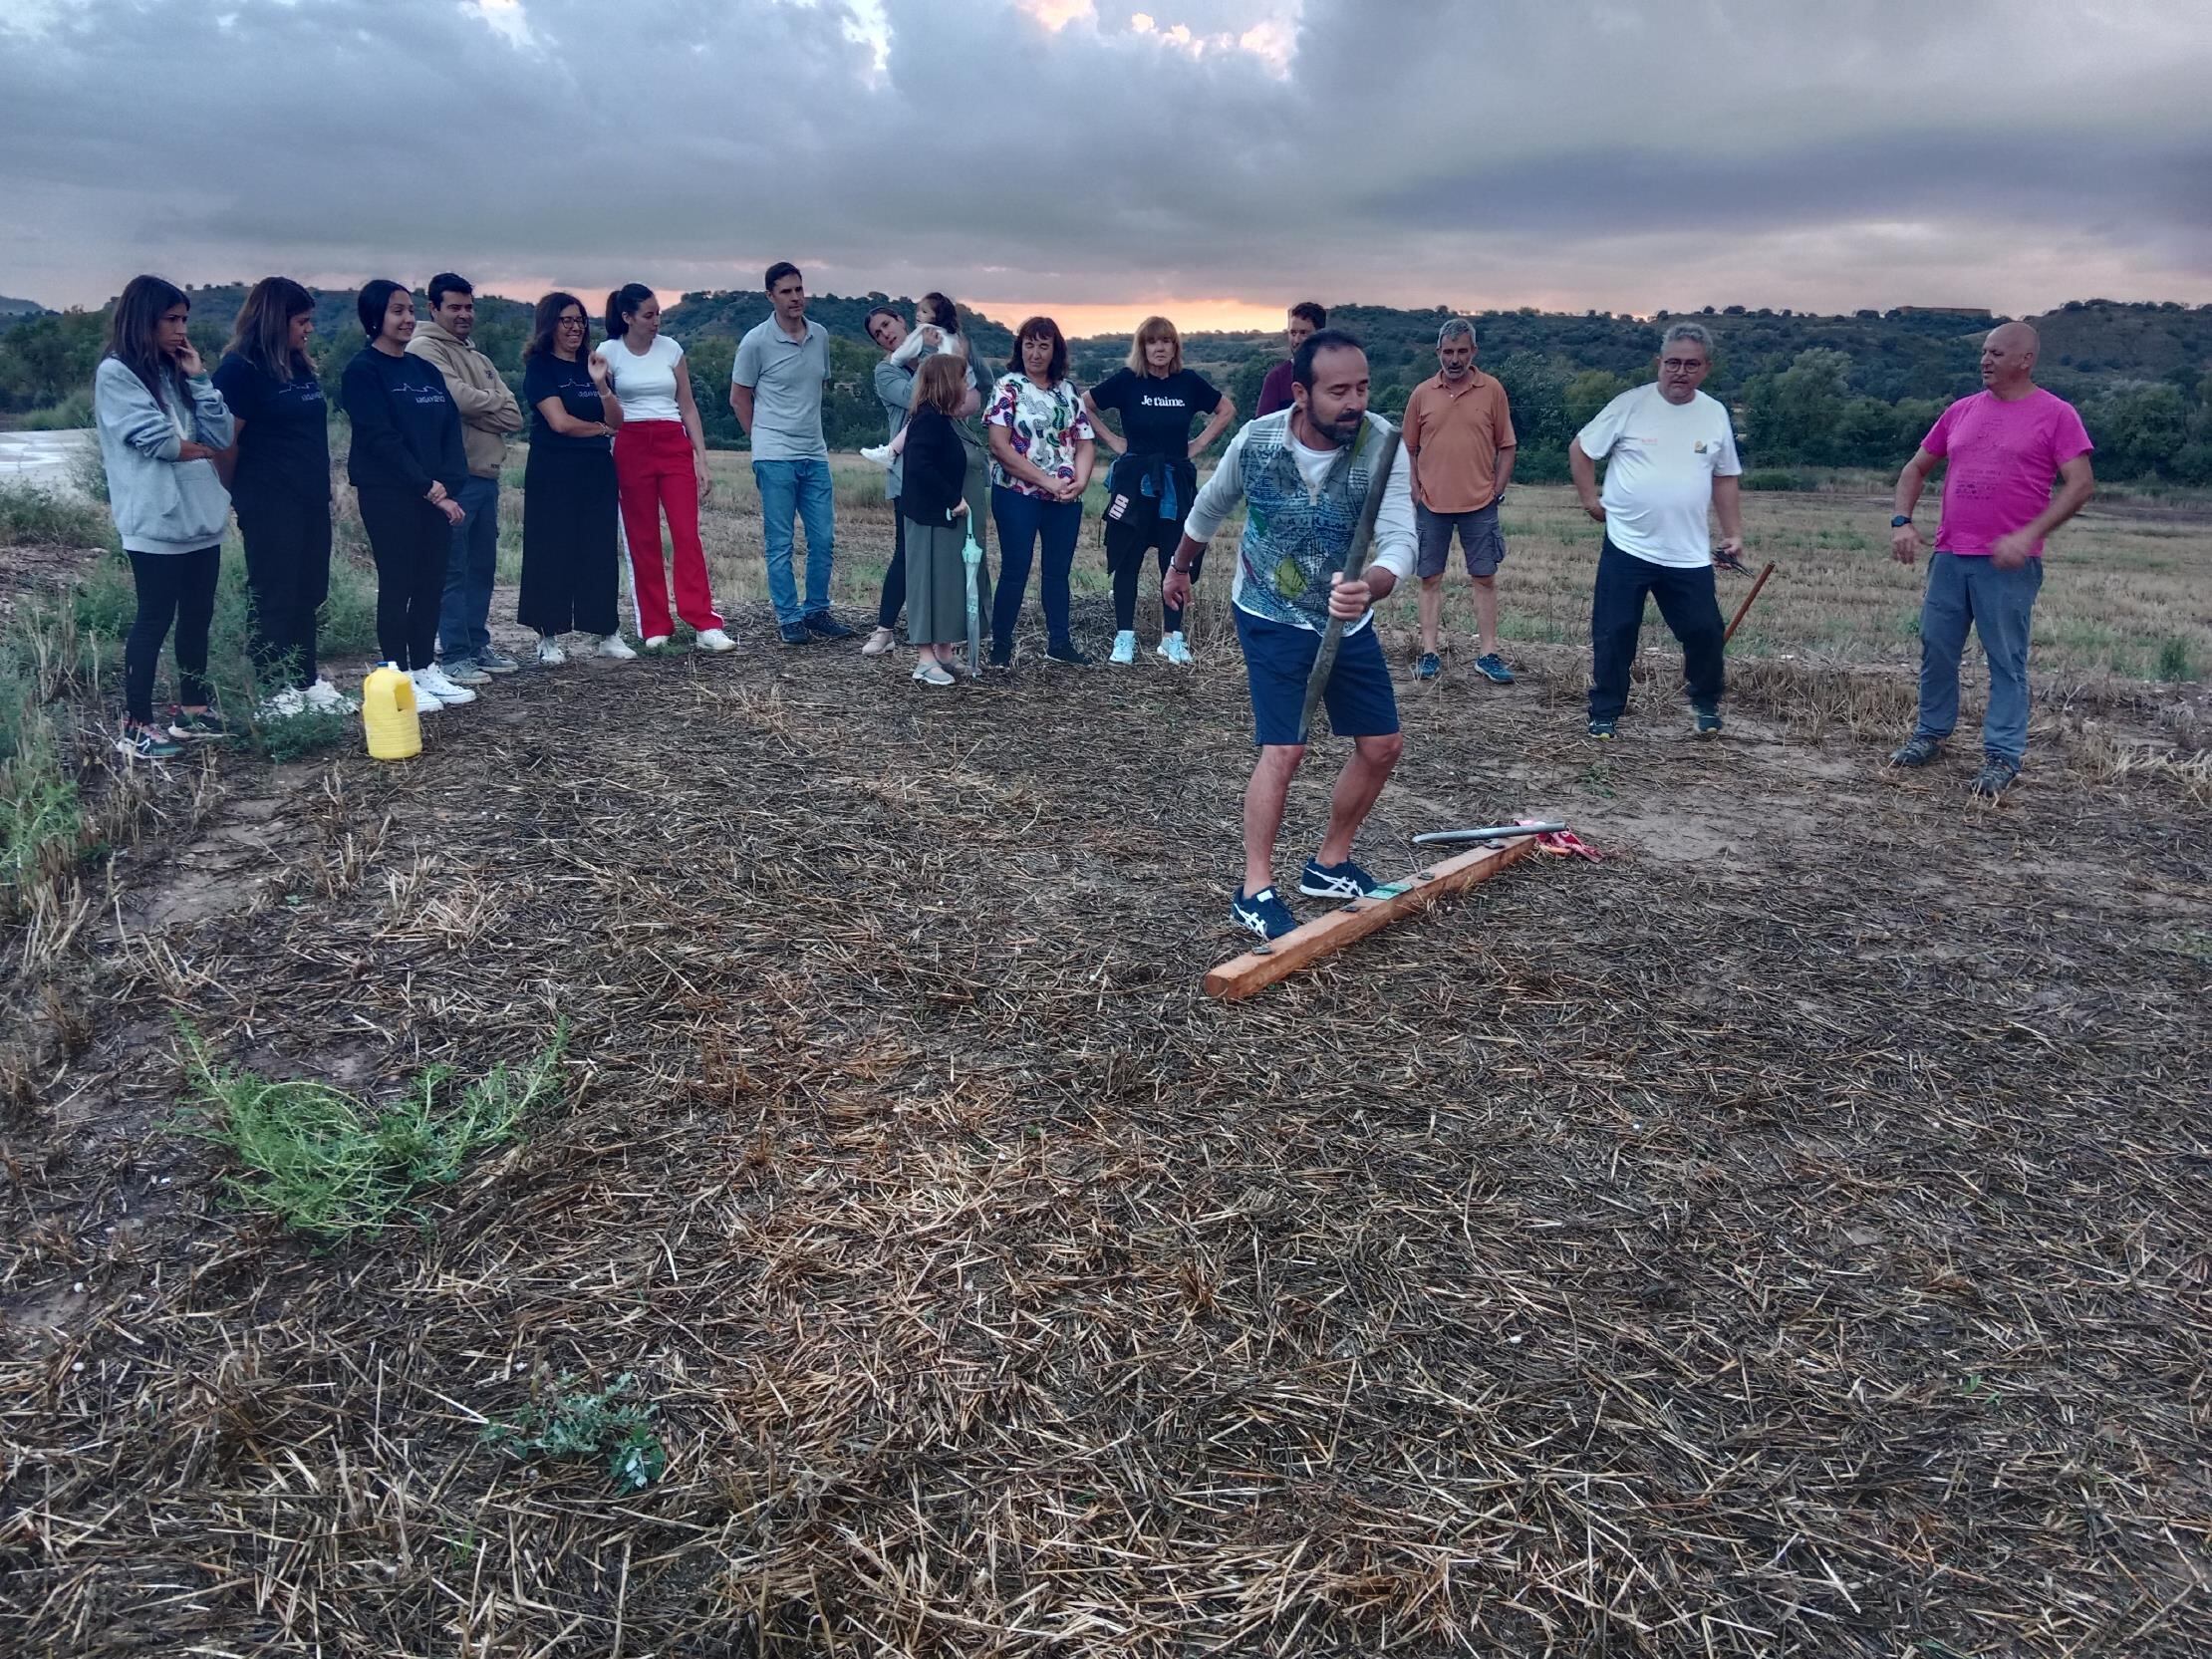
31	517
2174	662
566	1423
331	1166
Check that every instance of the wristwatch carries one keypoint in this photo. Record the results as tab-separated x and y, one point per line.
1900	522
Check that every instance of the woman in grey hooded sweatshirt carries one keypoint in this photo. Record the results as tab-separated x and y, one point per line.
161	423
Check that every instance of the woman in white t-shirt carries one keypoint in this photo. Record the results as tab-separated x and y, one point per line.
659	467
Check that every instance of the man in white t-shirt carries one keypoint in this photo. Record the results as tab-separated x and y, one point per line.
1670	455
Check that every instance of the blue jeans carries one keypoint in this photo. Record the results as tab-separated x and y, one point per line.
471	564
1964	591
791	490
1023	521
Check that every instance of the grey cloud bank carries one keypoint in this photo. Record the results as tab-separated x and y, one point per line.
1625	157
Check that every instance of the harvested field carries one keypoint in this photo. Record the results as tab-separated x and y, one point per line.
1787	1236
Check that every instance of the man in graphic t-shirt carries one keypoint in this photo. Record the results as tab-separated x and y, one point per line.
2005	444
1670	455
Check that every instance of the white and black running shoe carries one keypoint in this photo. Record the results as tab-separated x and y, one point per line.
1263	912
1335	880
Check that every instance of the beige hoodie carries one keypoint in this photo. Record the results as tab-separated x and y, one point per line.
488	411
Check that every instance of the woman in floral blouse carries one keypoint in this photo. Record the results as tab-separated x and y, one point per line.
1041	446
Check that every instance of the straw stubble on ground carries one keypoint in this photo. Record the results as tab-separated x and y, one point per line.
1784	1238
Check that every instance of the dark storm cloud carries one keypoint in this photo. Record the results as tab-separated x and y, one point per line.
1619	155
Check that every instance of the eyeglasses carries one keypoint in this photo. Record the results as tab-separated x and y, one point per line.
1680	364
570	322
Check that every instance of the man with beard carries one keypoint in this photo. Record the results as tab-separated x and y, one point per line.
1303	475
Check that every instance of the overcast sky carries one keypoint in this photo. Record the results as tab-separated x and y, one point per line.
1214	157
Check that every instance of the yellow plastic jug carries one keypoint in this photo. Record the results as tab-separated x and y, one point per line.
388	713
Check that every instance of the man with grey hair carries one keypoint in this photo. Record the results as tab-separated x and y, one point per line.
1670	455
1459	438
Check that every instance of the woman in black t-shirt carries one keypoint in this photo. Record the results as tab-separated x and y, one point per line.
1155	476
570	509
280	484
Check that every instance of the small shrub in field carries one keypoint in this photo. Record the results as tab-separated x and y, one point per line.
1772	478
32	517
2174	662
73	414
347	622
90	473
331	1166
105	598
564	1422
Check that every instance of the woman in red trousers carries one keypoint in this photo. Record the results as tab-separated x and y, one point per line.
659	467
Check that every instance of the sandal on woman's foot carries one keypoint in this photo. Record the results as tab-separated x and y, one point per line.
931	674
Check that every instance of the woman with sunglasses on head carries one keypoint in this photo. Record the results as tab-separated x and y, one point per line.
408	467
162	423
570	509
281	487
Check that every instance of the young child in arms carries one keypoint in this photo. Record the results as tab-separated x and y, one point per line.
937	329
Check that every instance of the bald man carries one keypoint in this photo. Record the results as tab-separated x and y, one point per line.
2005	446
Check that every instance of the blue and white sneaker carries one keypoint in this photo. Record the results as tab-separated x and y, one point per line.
1263	912
1335	880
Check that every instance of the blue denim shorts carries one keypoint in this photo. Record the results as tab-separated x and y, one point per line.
1277	658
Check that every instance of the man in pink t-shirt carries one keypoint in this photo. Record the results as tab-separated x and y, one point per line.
2005	446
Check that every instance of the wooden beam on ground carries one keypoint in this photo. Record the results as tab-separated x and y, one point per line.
1262	966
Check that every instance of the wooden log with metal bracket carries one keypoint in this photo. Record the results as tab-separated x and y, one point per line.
1265	963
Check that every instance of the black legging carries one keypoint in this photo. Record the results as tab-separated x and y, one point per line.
174	588
1140	528
894	575
409	539
287	540
1128	566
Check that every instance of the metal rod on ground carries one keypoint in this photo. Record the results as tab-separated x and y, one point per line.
1746	605
1494	832
1355	563
1265	964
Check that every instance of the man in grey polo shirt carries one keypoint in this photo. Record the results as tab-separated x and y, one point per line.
775	390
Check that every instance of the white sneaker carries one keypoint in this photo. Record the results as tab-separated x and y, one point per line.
1125	647
433	679
880	453
426	701
657	642
326	698
714	638
283	705
550	653
1174	650
615	646
881	641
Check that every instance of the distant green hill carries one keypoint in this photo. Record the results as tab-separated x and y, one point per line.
1807	390
18	308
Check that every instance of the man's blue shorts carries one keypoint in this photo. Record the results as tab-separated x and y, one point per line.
1280	656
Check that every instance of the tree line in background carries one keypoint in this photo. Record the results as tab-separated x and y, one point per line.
1806	391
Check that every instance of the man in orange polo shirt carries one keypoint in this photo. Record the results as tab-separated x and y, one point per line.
1459	438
